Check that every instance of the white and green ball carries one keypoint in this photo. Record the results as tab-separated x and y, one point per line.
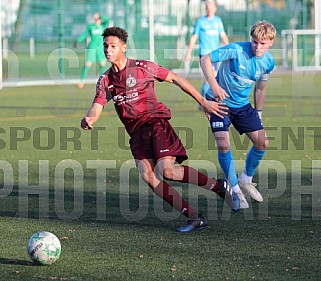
44	248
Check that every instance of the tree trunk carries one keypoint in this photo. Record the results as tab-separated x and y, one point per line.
18	24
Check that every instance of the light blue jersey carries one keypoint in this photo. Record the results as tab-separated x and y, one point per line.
239	70
208	32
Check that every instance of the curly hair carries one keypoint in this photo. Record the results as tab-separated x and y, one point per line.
117	32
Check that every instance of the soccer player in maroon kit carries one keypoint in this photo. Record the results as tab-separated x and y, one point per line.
154	144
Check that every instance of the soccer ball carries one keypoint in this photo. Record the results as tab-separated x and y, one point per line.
44	248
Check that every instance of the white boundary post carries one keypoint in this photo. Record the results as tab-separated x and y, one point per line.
317	16
317	11
32	47
0	48
294	33
295	51
151	31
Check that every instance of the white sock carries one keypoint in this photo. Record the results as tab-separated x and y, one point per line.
246	178
236	188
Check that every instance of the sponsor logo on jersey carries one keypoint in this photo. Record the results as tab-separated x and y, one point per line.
97	31
131	81
126	98
211	32
241	80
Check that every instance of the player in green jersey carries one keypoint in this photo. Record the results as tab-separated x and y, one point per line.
94	50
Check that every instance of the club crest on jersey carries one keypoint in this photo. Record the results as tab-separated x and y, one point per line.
131	81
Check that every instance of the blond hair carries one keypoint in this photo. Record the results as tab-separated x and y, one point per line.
262	30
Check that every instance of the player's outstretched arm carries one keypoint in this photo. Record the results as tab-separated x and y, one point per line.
82	37
190	47
105	20
207	67
91	117
214	107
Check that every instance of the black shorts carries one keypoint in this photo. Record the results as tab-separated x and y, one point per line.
156	139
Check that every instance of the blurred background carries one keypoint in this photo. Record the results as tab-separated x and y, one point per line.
36	34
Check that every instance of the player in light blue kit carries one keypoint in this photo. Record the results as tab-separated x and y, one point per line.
243	64
209	30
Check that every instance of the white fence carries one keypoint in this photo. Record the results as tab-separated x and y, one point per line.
301	49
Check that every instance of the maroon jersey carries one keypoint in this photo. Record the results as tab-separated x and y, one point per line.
133	93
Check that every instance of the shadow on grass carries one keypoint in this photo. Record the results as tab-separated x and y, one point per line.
7	261
113	207
130	206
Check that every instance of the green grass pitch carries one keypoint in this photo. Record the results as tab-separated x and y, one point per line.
83	187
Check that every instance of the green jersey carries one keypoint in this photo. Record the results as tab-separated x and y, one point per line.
94	31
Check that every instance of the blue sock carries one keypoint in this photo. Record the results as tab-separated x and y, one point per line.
226	161
253	160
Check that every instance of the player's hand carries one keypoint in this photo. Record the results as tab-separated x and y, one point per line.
218	108
85	124
75	44
220	94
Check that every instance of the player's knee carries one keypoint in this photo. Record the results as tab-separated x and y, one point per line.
266	143
148	176
168	174
262	145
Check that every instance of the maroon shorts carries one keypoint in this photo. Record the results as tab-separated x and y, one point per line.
156	139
